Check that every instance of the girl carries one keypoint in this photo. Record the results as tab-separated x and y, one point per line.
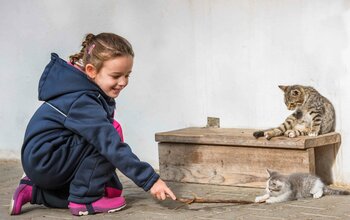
72	144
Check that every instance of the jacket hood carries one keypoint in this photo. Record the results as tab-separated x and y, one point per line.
61	78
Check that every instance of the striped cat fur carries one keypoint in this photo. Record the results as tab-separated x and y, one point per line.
313	114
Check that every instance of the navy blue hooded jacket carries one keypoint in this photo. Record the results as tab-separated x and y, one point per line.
76	109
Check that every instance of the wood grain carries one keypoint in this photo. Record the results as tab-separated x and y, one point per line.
222	165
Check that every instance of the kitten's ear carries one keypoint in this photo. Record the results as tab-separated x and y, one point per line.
284	88
270	172
295	92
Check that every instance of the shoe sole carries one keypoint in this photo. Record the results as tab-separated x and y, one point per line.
117	209
12	211
83	213
11	207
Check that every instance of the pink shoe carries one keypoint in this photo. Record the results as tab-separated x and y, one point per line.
102	205
111	192
23	195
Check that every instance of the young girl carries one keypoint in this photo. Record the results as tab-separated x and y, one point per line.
72	144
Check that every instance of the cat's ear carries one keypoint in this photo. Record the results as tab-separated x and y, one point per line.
270	172
295	92
283	88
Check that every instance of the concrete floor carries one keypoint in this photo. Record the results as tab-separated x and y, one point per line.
141	205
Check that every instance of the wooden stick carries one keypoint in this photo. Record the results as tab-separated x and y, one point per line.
196	199
203	200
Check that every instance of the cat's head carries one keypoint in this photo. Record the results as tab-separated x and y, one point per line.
294	96
277	183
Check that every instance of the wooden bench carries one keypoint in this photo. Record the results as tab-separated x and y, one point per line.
230	156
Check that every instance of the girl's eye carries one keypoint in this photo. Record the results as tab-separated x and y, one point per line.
118	76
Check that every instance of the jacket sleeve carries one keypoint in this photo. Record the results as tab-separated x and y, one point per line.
88	119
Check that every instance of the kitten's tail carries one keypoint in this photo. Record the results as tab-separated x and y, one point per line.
329	191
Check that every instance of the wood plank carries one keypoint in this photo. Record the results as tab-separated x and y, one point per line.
222	165
242	137
312	163
322	140
325	158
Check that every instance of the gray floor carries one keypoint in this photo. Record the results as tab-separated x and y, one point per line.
141	205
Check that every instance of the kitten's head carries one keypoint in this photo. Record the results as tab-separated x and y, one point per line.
277	183
294	96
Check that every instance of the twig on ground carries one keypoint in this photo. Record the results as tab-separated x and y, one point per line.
196	199
204	200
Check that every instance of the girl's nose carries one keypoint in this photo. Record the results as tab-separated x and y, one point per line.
123	81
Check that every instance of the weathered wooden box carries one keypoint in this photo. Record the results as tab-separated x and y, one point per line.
230	156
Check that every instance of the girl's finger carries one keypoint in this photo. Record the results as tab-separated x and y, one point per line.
170	193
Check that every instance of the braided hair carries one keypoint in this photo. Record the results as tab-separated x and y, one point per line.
99	48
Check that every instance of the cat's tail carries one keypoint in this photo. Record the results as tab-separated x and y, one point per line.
329	191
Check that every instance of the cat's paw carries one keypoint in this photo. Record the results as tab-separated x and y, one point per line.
268	134
260	199
286	133
318	194
290	133
313	134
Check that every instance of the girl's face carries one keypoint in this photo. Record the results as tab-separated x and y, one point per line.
113	76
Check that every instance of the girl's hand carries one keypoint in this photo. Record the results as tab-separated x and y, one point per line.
161	191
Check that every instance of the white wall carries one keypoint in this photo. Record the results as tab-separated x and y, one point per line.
193	59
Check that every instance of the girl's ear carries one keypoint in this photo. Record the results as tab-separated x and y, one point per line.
90	71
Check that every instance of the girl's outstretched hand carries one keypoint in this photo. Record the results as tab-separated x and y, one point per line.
161	191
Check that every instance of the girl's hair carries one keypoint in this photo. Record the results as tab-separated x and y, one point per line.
99	48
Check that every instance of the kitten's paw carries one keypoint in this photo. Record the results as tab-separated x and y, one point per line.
260	199
318	195
313	134
268	135
292	135
287	132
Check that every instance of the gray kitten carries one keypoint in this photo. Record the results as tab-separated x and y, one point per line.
281	188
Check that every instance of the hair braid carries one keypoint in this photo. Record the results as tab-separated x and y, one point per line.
76	58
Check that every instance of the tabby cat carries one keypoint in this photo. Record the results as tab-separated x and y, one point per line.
281	188
313	114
